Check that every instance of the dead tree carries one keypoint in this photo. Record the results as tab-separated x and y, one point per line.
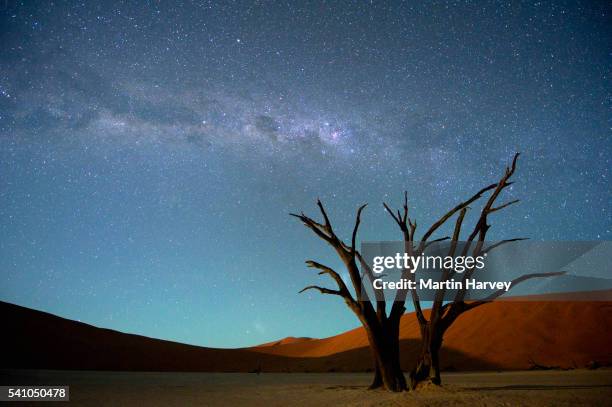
382	327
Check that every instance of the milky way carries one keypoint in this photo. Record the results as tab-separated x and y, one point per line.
149	155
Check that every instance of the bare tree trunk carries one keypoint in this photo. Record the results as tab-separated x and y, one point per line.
428	363
393	377
385	349
388	373
377	381
392	335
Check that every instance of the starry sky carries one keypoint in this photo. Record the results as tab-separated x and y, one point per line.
150	153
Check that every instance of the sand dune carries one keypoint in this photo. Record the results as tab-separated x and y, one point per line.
506	334
497	336
286	341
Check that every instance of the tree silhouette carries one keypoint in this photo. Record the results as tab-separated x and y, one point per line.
382	327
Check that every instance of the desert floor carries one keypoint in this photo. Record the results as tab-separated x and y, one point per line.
533	388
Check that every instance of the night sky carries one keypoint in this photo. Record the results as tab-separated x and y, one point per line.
150	154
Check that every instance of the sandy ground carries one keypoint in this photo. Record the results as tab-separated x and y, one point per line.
533	388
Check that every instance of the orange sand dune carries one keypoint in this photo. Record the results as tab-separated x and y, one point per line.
286	341
506	334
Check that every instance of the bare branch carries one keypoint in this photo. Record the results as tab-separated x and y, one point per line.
522	278
458	224
405	206
457	232
381	305
437	240
503	183
347	255
316	227
504	206
514	282
402	220
503	242
357	221
436	310
407	227
450	213
395	218
413	226
323	290
327	223
516	156
482	227
342	288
